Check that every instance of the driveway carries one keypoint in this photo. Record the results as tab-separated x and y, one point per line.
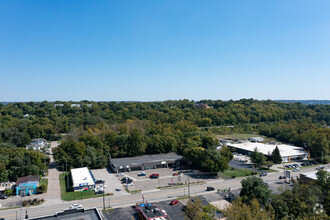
53	195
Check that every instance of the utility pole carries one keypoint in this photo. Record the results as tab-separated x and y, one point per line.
188	188
21	207
103	199
67	179
322	157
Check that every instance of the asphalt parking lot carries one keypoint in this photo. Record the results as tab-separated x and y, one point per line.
174	212
111	181
165	178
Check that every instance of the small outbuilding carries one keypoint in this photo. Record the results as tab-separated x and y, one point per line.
27	185
82	179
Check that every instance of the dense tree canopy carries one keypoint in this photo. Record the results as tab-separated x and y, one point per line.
120	129
18	162
297	202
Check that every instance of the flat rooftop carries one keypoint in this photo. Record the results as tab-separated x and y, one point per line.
81	177
151	211
312	175
266	149
145	159
73	214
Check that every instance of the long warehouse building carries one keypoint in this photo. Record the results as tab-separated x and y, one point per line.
288	152
146	162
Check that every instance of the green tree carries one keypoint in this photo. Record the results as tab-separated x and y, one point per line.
254	187
276	156
268	164
252	211
194	209
258	158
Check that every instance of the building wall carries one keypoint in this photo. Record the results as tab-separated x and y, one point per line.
27	188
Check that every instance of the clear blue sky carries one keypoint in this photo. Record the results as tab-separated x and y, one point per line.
159	50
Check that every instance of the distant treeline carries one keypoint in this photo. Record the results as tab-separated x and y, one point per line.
306	102
136	128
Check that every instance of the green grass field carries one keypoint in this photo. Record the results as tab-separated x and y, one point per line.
243	136
69	194
267	170
233	172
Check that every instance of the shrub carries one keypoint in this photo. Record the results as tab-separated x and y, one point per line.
9	192
41	189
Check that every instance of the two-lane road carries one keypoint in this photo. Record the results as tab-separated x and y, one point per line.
151	196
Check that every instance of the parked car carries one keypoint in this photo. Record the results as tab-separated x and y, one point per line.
126	180
173	202
141	174
128	184
209	188
176	174
263	174
281	177
118	190
320	167
154	176
165	213
3	196
76	206
296	170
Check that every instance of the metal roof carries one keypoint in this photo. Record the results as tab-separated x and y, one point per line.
25	179
73	214
267	149
81	177
145	159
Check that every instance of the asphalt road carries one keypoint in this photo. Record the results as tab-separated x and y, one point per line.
150	196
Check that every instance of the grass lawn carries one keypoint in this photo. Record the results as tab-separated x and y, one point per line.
233	172
45	182
243	136
69	194
267	170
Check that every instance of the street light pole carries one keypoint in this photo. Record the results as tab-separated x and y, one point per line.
103	198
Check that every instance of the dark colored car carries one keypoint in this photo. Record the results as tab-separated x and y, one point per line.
3	196
281	177
154	176
173	202
126	180
209	188
263	174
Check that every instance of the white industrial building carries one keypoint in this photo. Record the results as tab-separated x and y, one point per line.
309	177
82	179
288	152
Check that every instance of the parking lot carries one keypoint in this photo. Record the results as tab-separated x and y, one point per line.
174	212
111	181
166	178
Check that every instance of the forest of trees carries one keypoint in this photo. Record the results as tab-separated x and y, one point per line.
121	129
18	162
302	201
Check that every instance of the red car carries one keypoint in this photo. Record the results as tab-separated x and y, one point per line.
154	175
173	202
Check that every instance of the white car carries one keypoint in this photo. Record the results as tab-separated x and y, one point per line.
76	206
128	184
165	213
296	170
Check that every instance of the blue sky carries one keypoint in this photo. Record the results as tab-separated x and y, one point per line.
160	50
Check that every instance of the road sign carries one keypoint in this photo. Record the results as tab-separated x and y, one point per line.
287	176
